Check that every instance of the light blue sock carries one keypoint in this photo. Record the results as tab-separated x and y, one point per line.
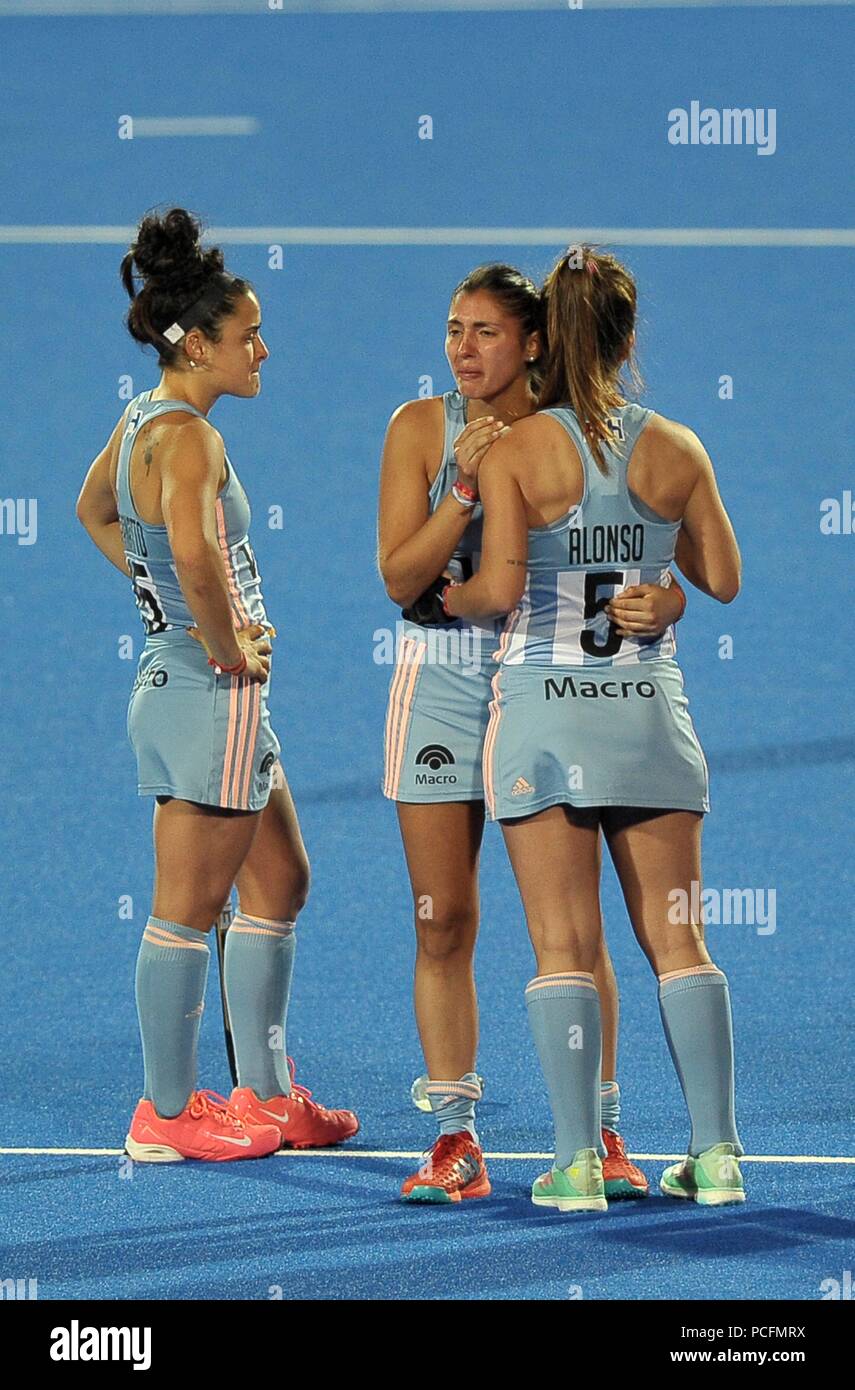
453	1103
564	1014
695	1010
610	1105
172	971
259	962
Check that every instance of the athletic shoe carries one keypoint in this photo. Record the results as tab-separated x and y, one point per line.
207	1128
452	1171
712	1180
301	1122
620	1177
577	1188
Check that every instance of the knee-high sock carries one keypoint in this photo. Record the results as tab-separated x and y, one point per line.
695	1008
453	1103
258	967
610	1105
172	971
564	1014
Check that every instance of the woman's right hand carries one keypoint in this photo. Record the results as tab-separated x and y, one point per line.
471	445
254	642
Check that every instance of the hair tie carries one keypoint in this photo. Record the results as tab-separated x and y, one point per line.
591	267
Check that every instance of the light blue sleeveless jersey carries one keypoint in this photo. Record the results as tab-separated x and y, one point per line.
576	564
466	558
158	594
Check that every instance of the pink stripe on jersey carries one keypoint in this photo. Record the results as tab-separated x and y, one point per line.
230	740
400	710
222	534
254	701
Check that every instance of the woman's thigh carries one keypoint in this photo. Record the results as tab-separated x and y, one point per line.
555	856
657	860
198	851
273	880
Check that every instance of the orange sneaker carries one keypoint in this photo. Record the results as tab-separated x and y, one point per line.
453	1171
207	1128
302	1123
620	1177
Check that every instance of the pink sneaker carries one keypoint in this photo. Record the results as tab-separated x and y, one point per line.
207	1128
303	1123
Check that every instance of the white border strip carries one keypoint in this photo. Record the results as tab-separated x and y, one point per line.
419	1153
194	125
76	8
60	235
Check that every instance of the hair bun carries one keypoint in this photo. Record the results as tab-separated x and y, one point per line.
168	250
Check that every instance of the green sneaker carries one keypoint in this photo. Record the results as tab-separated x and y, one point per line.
712	1180
577	1188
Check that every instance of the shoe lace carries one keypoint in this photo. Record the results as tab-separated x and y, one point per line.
614	1144
302	1091
445	1153
216	1108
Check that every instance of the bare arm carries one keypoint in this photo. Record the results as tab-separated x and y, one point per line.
707	552
498	586
96	505
415	545
190	467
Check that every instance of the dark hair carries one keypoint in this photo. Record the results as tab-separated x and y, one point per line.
590	305
167	256
519	296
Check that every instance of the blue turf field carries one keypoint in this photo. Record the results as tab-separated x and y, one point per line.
540	120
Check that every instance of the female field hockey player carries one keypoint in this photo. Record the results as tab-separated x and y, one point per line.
430	522
590	494
164	504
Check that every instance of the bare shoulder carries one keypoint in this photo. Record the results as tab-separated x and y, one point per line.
418	418
675	445
526	442
191	443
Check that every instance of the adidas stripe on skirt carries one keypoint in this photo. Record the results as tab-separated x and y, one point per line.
197	736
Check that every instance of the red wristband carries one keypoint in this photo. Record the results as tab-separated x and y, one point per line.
682	593
467	492
452	585
230	670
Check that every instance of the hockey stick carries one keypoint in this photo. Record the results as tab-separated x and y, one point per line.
223	923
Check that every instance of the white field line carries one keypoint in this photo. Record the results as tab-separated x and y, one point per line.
322	7
194	125
62	235
419	1153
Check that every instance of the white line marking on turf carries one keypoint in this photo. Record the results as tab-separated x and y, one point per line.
322	7
61	235
419	1153
194	125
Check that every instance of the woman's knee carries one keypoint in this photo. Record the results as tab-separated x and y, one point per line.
444	929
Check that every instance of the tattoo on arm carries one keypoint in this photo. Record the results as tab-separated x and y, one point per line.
517	562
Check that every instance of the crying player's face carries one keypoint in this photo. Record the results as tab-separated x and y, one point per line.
241	349
486	345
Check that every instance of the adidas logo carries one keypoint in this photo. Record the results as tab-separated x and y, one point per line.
521	787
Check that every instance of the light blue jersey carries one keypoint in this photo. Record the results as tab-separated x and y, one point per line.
440	690
197	736
158	594
467	557
579	715
608	542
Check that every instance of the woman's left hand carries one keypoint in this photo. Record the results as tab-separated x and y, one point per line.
646	610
